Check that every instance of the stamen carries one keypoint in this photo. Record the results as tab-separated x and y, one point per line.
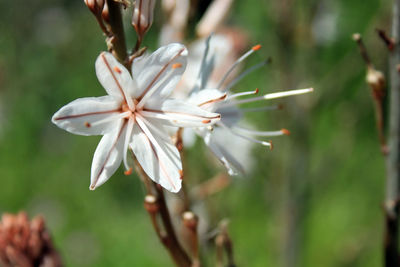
261	133
243	94
109	118
128	138
128	172
213	100
288	93
285	131
117	69
166	115
234	65
256	47
176	65
264	143
269	96
247	72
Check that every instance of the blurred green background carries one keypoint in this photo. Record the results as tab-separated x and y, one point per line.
315	200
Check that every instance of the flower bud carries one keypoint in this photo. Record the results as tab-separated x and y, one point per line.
376	80
143	16
95	6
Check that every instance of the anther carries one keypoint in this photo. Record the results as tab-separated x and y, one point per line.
181	174
206	121
271	146
285	131
256	47
117	69
128	172
88	125
176	65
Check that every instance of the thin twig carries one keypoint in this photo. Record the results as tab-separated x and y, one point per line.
386	39
179	255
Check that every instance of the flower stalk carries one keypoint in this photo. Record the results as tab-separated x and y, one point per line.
116	42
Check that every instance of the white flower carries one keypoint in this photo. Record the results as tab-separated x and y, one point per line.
133	115
222	101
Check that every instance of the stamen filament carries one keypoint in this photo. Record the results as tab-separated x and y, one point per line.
181	118
234	65
264	143
127	141
261	133
247	72
268	96
242	94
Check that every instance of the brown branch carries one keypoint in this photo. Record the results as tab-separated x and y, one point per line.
117	41
178	254
363	51
393	158
389	42
376	80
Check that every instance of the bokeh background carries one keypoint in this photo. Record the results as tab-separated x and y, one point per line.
315	200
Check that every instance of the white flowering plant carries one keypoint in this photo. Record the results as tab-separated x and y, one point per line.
150	101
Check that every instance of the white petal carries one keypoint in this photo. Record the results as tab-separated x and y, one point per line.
108	156
158	158
206	98
227	159
77	116
113	76
148	70
174	112
230	115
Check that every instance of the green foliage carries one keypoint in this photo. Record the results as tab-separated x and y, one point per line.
331	163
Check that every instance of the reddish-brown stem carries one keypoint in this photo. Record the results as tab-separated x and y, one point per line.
117	31
386	39
178	254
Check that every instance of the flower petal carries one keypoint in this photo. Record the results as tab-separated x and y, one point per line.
174	112
108	155
78	116
159	159
206	98
149	70
113	76
227	159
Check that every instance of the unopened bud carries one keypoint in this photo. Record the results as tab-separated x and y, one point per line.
95	6
105	14
190	220
150	204
143	16
375	79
